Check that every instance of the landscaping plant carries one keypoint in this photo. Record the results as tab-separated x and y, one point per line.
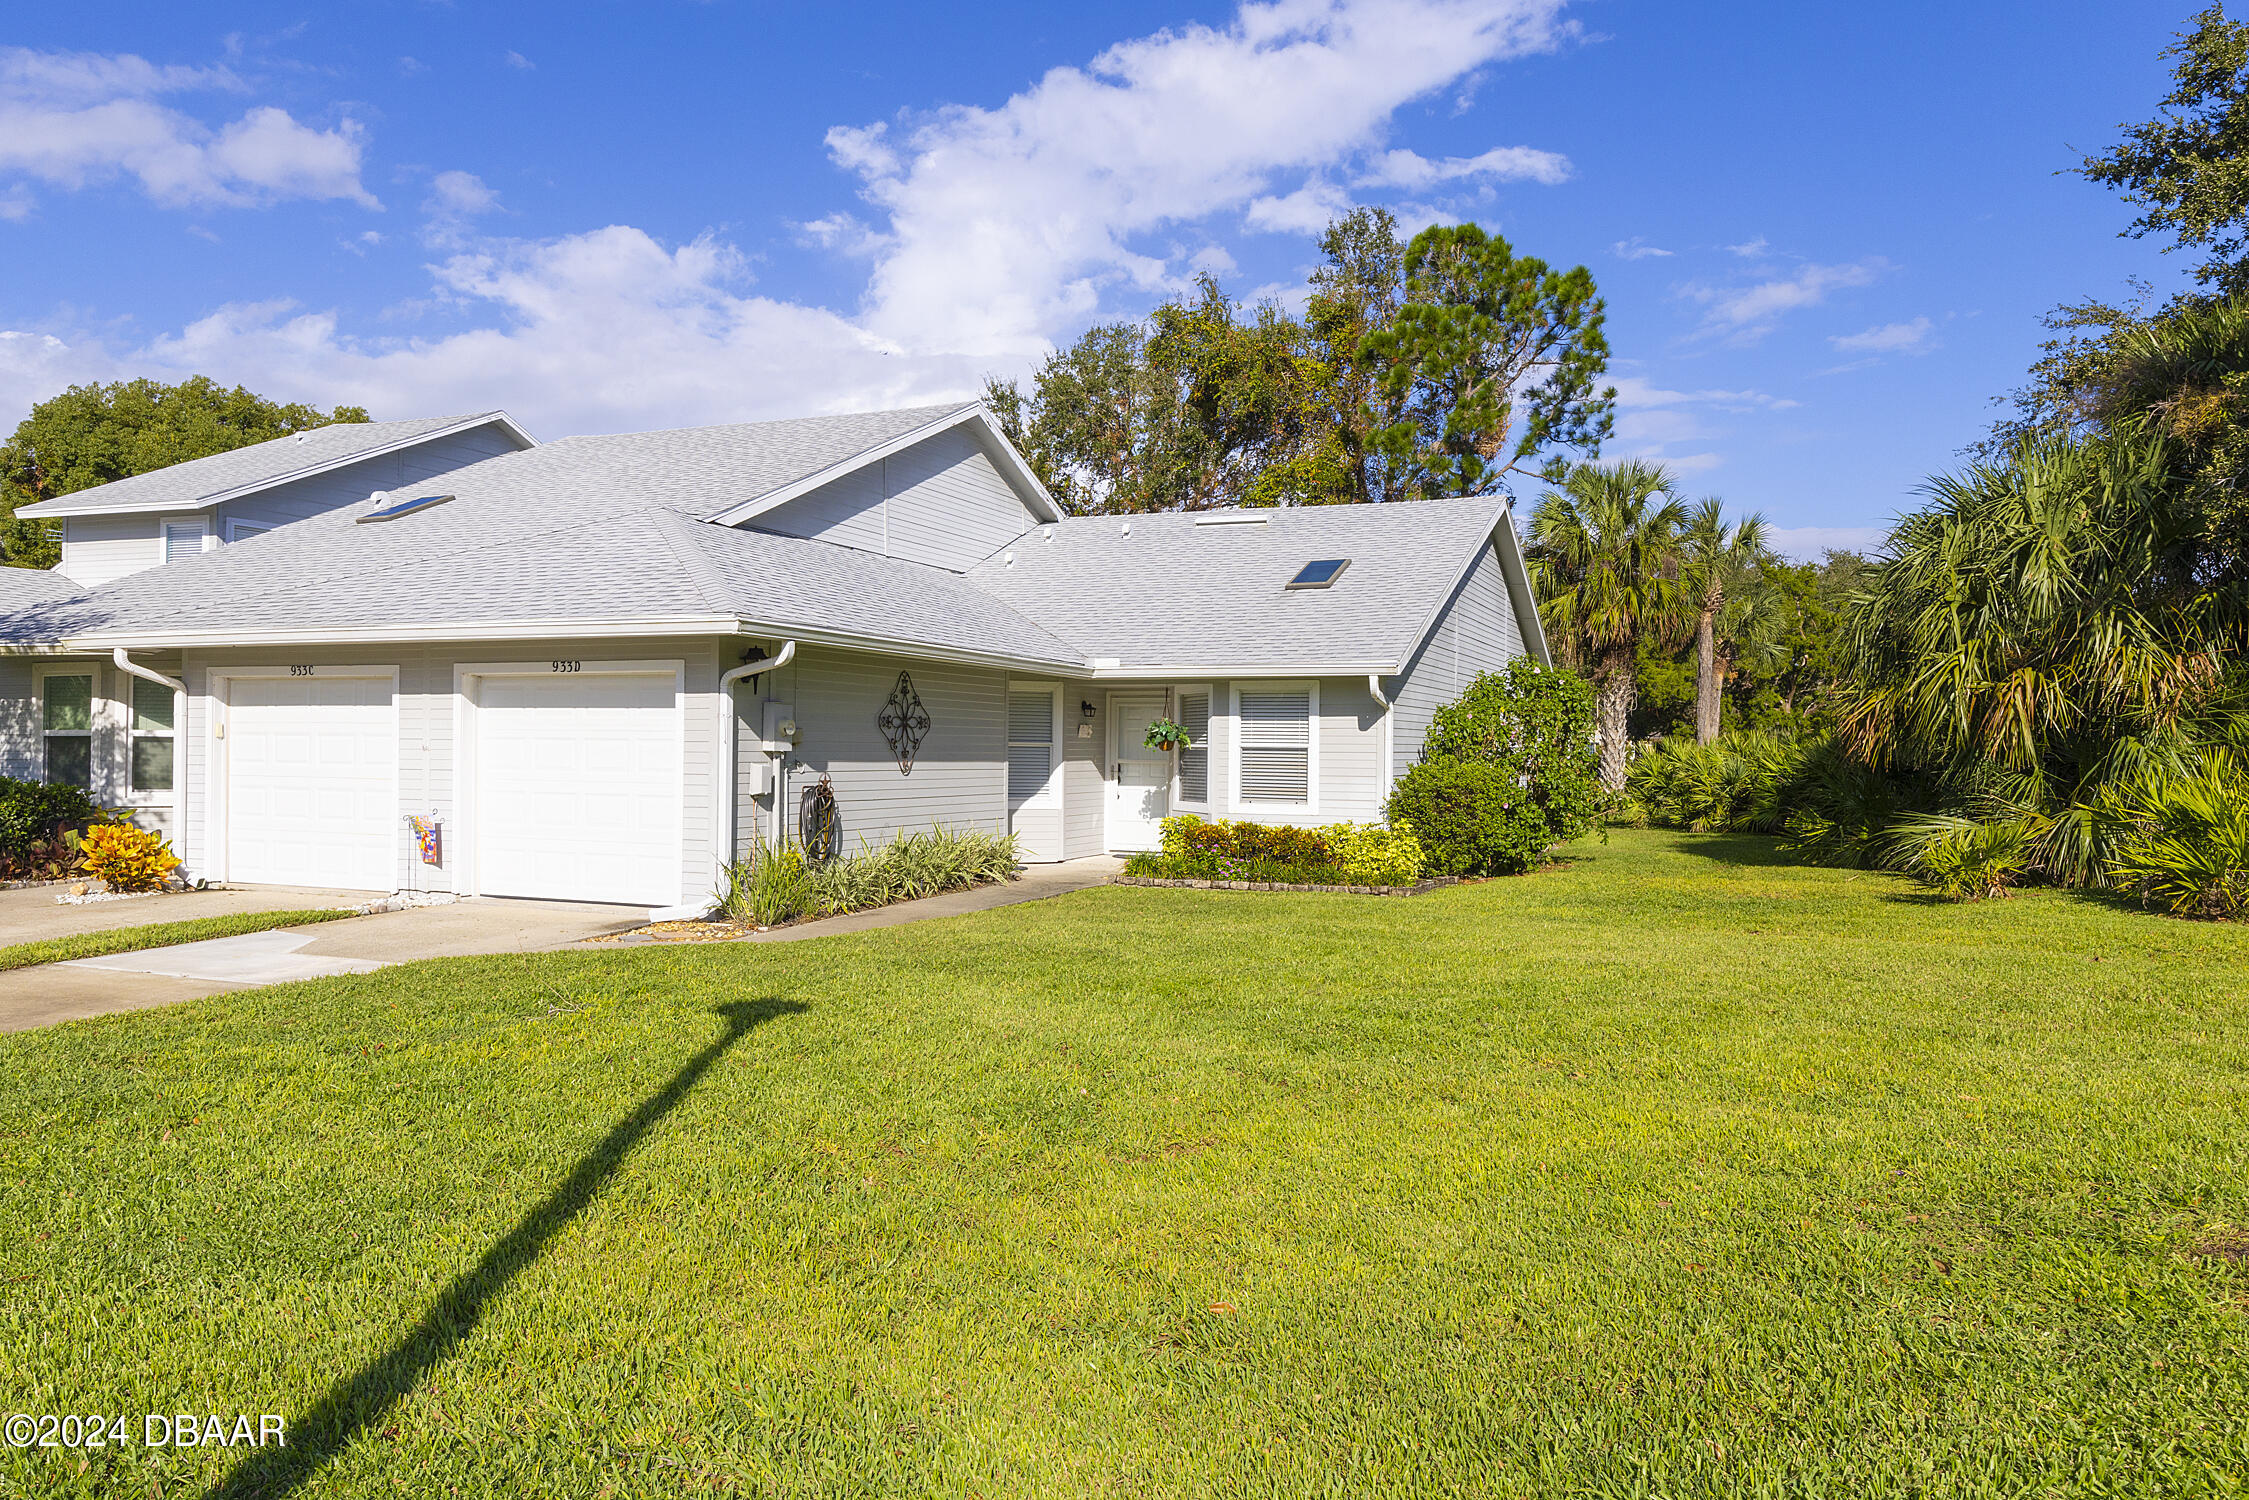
929	862
1962	859
1471	818
2182	843
125	857
39	828
770	887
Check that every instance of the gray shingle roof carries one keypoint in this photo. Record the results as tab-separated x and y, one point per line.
197	481
594	530
20	586
1181	592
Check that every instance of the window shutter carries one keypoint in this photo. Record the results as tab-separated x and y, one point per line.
1276	730
1194	761
1030	745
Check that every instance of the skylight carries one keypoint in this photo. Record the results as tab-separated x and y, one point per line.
399	508
1318	575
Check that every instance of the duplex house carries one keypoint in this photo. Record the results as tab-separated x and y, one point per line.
599	668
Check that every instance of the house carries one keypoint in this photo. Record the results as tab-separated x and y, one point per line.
603	666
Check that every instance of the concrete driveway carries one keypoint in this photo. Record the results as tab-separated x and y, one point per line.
355	945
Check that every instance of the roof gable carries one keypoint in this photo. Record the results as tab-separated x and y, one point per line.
200	483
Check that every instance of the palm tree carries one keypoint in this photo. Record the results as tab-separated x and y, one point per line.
1604	560
1716	560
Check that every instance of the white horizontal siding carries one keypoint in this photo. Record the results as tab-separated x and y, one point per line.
98	549
1477	632
940	502
959	776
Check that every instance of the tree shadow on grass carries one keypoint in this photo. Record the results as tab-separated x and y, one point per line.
362	1399
1738	849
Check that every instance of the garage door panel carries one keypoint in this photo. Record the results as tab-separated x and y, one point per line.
312	782
579	792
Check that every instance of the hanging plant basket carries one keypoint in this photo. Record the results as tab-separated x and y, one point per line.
1163	734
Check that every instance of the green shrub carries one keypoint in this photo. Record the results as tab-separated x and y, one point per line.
1186	834
1471	818
1840	811
1372	854
1733	786
1535	725
2182	843
39	825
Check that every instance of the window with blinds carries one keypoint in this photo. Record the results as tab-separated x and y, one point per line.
1276	745
1030	744
183	539
1194	761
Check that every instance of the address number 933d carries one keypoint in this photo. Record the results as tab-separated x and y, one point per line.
568	666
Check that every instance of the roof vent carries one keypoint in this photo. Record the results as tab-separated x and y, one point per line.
403	508
1318	575
1126	529
300	437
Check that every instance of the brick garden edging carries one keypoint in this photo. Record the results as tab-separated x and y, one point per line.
1419	888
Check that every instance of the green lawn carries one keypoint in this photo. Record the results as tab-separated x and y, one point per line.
156	935
1675	1171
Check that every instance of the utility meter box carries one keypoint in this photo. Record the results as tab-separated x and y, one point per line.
778	717
757	777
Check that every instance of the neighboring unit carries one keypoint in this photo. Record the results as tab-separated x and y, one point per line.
606	666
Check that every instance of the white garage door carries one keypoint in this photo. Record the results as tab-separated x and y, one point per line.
578	787
312	782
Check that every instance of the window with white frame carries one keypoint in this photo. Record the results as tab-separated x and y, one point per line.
152	736
66	724
1194	759
1274	736
1030	743
183	539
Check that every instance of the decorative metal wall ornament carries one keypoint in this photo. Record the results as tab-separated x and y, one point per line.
904	721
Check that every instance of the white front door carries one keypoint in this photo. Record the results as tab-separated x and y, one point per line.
578	787
312	782
1139	778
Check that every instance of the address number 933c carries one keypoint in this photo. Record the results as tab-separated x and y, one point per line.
568	666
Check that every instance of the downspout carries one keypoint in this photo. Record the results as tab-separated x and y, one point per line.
729	773
1374	691
179	739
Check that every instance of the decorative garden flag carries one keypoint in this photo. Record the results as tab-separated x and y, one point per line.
425	834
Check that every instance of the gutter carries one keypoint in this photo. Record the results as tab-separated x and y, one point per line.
179	733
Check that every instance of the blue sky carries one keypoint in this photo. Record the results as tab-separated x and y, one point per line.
1825	233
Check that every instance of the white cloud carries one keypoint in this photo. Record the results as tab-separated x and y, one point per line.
1637	248
1009	224
1751	249
603	331
996	232
1308	210
1633	392
1806	543
1654	422
72	119
1416	173
517	60
1889	338
1750	312
460	194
